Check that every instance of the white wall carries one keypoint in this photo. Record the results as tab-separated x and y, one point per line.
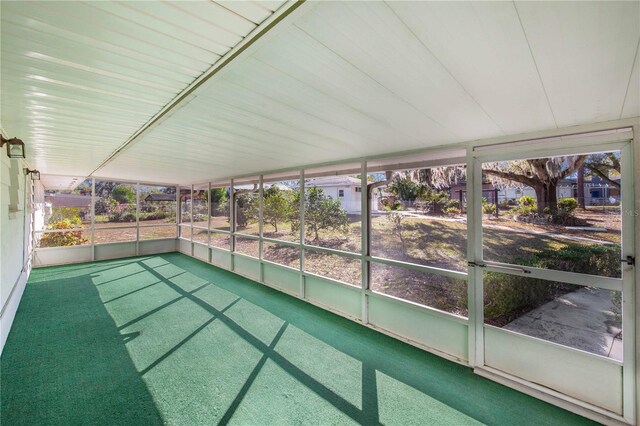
15	242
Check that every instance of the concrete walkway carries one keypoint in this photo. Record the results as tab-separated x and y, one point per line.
585	319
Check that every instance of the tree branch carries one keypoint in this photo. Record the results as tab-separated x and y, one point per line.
514	177
603	176
579	162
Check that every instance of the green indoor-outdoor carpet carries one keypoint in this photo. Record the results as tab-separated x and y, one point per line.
170	339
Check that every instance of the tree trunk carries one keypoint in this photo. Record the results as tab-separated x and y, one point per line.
547	196
580	187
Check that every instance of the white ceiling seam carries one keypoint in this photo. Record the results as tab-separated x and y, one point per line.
63	62
444	67
345	32
632	94
289	7
584	54
533	58
508	35
360	90
361	79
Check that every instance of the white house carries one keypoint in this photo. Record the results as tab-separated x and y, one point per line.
347	189
596	191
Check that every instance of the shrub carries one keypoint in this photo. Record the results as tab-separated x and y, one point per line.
565	212
200	217
567	204
488	208
122	213
508	296
452	203
526	206
61	239
438	201
452	211
157	215
526	201
123	194
104	205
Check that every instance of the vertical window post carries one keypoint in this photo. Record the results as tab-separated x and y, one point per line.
474	254
302	234
209	221
365	247
191	220
137	218
232	223
93	218
178	212
260	225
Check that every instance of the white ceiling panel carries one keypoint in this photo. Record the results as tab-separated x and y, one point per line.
484	48
80	78
372	38
331	81
61	183
631	107
584	52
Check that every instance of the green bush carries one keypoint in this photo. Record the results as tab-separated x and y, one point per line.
452	203
564	213
508	296
104	205
567	204
122	215
156	215
61	239
452	211
488	208
526	201
123	195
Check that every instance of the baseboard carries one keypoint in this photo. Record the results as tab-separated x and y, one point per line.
11	307
578	407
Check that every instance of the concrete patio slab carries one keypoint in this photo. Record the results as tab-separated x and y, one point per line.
586	319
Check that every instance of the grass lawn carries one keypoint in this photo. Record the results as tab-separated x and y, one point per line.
433	241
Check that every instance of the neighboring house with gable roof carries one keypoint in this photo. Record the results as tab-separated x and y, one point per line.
347	189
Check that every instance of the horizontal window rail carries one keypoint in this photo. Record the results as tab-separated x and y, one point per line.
584	280
153	225
418	267
53	231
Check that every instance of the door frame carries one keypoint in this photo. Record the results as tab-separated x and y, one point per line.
621	140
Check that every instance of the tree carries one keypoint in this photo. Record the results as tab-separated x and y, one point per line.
395	218
277	206
247	209
604	166
105	205
321	212
405	188
218	199
123	194
580	187
541	174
